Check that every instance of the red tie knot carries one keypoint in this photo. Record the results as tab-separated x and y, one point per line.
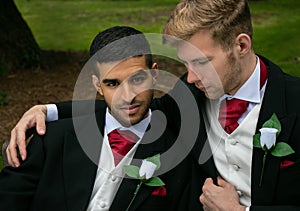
121	141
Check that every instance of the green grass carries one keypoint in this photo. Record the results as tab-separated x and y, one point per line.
276	32
71	25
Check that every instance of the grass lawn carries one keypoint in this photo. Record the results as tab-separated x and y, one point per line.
276	32
70	25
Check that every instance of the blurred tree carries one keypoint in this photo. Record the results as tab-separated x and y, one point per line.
18	47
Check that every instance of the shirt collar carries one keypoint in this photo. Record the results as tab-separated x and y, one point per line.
250	91
138	129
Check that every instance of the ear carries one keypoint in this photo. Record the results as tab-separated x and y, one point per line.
244	44
154	70
96	83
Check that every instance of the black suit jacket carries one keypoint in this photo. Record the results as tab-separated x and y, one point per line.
280	188
58	175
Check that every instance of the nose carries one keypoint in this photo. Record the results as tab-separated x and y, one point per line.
192	76
127	93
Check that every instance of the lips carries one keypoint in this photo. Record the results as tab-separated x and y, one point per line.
131	109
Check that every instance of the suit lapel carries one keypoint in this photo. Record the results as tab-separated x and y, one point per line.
78	160
273	102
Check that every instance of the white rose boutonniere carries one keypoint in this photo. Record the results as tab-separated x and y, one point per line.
266	140
144	174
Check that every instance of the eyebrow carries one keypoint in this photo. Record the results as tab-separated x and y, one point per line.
113	80
196	59
200	59
108	81
139	73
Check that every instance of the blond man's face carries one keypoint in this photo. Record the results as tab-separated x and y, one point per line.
212	69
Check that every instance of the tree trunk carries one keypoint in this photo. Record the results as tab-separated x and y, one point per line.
18	47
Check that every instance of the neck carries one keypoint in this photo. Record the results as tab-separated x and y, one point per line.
247	64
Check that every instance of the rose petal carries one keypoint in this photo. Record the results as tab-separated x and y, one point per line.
268	137
147	169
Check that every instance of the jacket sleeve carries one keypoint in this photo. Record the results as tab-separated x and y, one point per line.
68	109
18	185
274	208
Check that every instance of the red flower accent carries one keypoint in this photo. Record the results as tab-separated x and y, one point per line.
286	163
159	191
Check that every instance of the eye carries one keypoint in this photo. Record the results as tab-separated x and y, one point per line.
137	79
204	62
112	83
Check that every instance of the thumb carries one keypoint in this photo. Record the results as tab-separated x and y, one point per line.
40	125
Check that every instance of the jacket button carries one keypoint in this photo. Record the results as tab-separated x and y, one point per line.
113	178
236	167
102	204
233	142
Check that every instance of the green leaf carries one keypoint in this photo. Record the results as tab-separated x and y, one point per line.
132	171
154	181
256	141
155	159
273	122
282	149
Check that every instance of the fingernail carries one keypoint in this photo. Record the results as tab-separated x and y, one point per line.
41	131
23	157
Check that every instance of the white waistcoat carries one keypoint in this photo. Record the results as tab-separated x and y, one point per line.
232	153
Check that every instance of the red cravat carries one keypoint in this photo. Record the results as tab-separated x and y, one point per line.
121	141
232	110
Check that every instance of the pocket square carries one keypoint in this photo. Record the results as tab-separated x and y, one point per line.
159	191
286	163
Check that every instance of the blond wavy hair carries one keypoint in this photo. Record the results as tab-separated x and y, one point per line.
224	19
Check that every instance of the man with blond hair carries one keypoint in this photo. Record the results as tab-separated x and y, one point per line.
239	92
243	90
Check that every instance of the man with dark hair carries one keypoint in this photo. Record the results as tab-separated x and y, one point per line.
79	163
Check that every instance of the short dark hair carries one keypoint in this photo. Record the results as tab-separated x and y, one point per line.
118	43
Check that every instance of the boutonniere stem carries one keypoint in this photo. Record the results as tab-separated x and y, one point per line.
134	194
266	140
144	174
263	168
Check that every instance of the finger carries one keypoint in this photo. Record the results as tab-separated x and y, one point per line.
20	142
202	198
22	148
12	140
209	181
207	204
221	182
14	155
9	158
205	208
207	187
40	125
11	151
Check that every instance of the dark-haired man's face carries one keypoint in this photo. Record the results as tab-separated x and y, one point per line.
127	88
